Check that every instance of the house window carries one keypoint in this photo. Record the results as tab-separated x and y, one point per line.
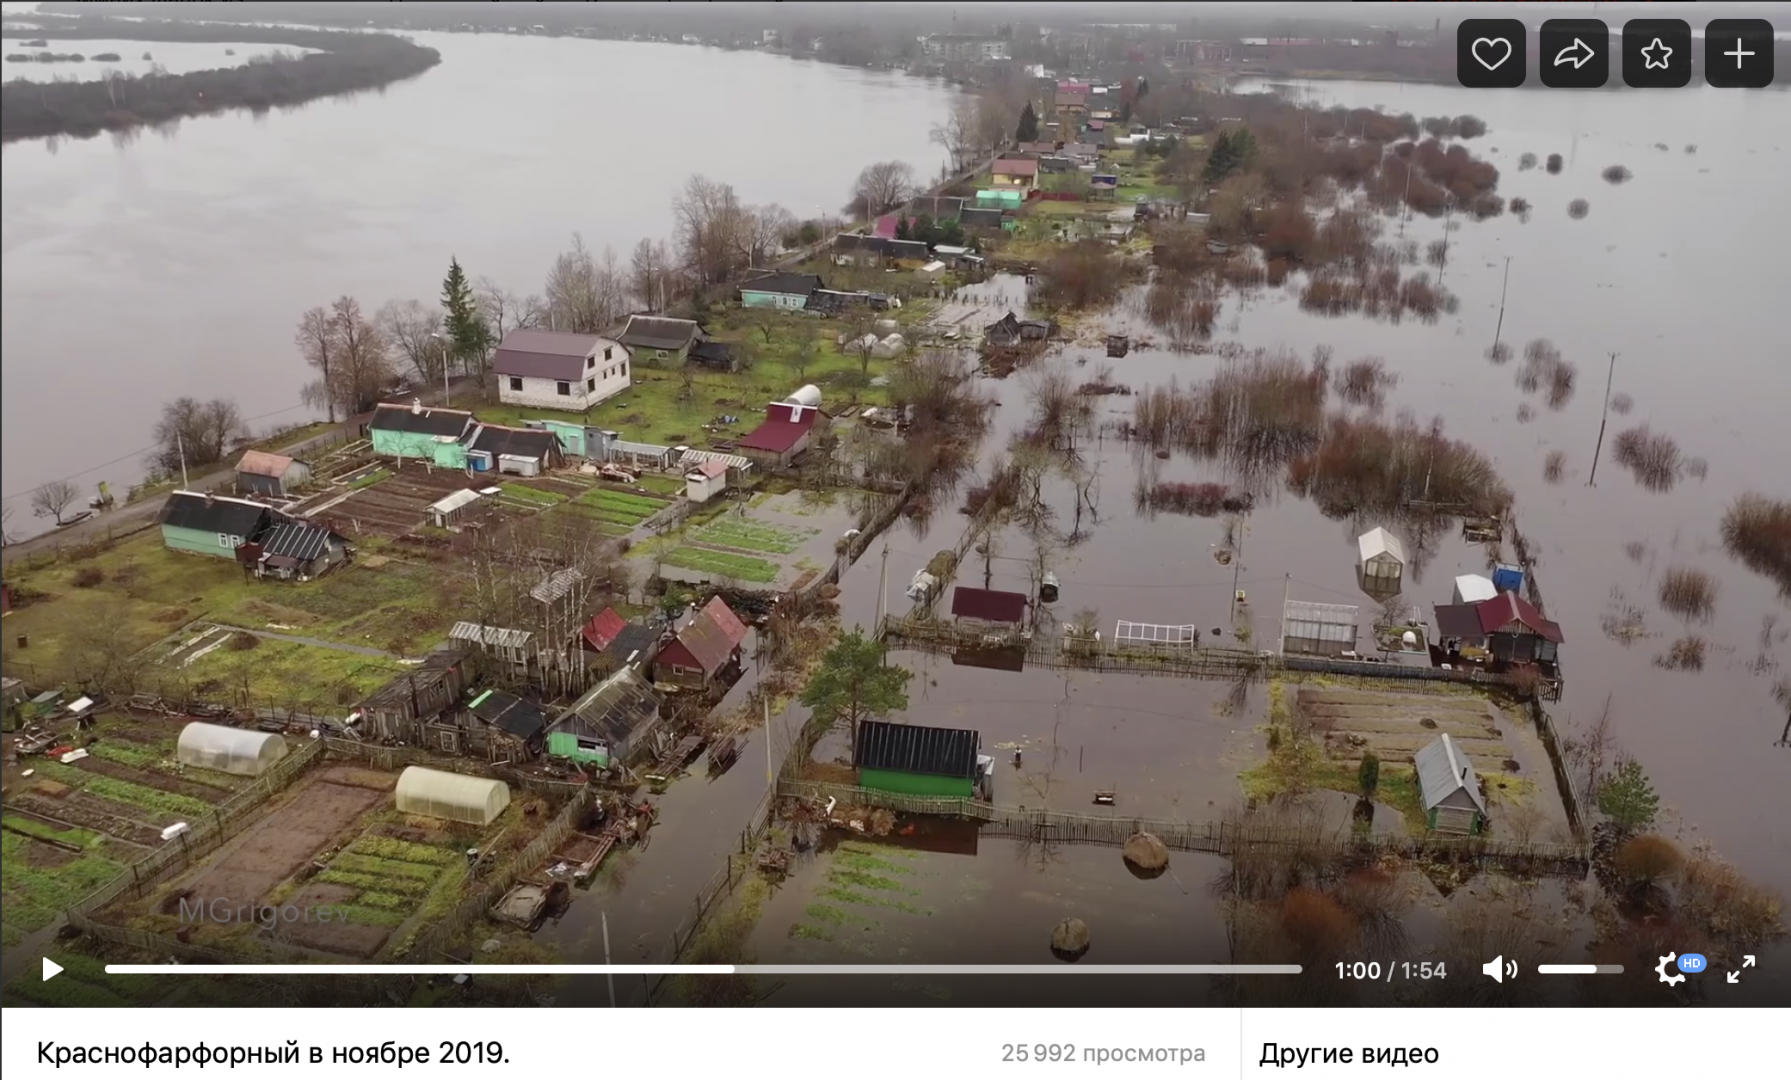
623	369
590	362
228	542
609	352
564	389
660	353
447	741
590	385
516	382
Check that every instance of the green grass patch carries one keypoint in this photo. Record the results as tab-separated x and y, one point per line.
662	484
385	847
858	878
369	916
66	993
289	671
848	896
126	753
870	860
722	564
371	478
386	901
810	933
620	507
31	895
409	886
85	838
148	798
753	536
533	496
825	913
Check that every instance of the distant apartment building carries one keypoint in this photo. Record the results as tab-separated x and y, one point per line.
964	47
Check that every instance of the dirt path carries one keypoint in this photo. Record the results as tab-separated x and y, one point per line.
297	639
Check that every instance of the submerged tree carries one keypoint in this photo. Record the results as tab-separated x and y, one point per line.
854	684
1628	798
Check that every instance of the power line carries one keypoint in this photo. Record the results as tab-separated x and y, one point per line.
139	453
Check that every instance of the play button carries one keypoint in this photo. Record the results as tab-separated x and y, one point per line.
51	969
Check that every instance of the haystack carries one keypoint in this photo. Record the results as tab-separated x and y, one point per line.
1145	855
1069	940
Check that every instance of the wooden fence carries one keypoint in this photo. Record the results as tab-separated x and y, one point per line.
431	942
733	870
203	837
85	546
1212	837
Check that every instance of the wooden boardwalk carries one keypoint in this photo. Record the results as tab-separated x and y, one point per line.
1208	837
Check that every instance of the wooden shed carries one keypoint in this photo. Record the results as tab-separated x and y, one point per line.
1449	789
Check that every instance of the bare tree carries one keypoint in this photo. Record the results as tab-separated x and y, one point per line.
53	499
100	655
415	331
194	432
362	357
585	293
316	344
649	275
957	134
505	311
881	187
763	235
6	524
709	222
996	118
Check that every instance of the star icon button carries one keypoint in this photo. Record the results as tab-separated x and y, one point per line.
1656	53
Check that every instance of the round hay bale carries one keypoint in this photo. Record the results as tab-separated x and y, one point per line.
1146	856
1069	940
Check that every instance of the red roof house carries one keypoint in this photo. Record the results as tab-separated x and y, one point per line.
783	437
601	631
1507	626
703	649
988	605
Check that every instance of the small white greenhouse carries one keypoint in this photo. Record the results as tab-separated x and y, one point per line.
476	800
228	749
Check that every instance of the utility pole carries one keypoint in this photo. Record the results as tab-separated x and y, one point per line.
1405	209
883	589
1592	479
770	770
1286	591
181	446
610	975
1501	327
1237	566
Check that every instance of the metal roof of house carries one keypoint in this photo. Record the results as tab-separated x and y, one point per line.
556	585
992	605
1458	621
516	442
1378	541
1507	608
783	283
694	458
1015	167
657	332
523	719
713	635
1305	620
777	434
602	629
634	638
495	636
620	708
295	541
911	748
712	352
1443	769
1473	588
218	514
262	463
451	503
414	420
710	469
545	354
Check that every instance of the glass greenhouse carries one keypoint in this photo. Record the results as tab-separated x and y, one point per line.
228	749
475	800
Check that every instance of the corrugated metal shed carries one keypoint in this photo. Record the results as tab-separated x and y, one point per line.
914	749
493	636
463	497
1444	770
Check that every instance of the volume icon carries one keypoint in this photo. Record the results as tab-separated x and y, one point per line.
1500	969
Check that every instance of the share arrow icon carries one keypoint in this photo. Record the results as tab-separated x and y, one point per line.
1579	54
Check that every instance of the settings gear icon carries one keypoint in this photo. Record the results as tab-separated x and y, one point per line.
1661	970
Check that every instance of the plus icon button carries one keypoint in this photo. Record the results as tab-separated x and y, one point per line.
1738	53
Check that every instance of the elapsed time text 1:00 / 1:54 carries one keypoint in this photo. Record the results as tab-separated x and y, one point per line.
1375	971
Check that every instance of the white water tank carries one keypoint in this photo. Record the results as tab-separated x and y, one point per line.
808	397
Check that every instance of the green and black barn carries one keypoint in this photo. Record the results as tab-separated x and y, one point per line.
915	760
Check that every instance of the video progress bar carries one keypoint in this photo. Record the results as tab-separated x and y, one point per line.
703	969
1579	969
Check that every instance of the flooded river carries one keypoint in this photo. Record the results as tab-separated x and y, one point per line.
177	263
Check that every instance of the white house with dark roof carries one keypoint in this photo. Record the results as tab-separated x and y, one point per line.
555	369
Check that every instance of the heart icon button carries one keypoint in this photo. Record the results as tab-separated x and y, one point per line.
1486	49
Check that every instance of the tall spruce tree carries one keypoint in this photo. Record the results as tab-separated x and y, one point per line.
1028	131
469	338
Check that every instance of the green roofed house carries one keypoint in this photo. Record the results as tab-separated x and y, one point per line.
415	432
216	525
913	760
